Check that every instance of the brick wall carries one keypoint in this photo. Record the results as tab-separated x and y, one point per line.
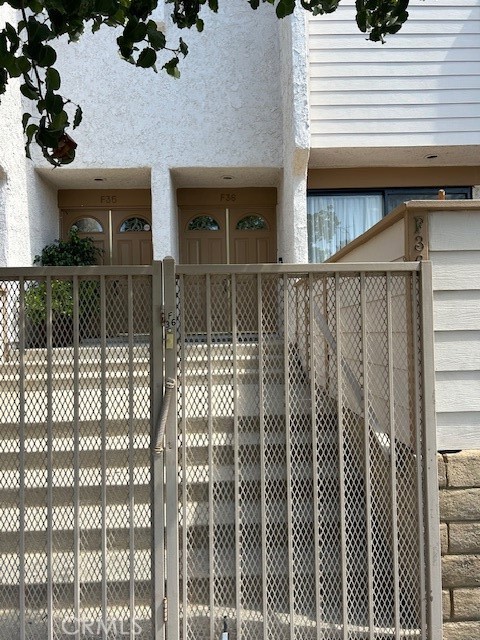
459	481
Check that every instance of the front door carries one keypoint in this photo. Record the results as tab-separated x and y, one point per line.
218	227
119	223
124	236
237	227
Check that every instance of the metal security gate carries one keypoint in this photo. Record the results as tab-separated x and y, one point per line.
292	494
301	499
75	480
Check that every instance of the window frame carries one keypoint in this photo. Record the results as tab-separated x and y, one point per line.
386	192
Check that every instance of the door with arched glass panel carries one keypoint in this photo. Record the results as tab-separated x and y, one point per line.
252	235
234	235
123	236
132	238
216	235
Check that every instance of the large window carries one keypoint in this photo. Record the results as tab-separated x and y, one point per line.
335	218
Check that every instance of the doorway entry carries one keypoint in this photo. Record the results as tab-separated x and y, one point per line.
119	222
218	226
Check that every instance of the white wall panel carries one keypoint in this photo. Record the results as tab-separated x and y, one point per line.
454	249
422	87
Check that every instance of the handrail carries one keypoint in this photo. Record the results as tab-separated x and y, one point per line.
161	423
352	380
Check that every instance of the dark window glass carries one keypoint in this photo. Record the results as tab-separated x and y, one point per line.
203	223
134	224
252	223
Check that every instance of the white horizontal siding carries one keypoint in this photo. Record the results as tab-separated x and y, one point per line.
454	249
422	87
456	310
458	430
458	230
457	350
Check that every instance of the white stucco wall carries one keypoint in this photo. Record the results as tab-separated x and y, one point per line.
28	210
292	222
225	110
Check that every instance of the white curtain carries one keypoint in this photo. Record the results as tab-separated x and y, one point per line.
336	220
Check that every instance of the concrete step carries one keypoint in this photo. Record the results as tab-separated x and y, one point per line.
119	596
91	540
36	497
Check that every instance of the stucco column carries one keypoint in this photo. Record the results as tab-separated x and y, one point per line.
296	142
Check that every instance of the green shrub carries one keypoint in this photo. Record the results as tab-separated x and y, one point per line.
73	252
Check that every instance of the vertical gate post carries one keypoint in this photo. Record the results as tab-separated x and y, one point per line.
157	489
171	452
430	481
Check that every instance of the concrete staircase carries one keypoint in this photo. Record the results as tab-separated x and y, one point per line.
239	481
86	434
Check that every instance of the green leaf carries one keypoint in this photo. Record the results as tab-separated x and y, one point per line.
156	39
24	64
200	25
285	8
37	31
52	79
183	47
60	121
171	68
53	103
29	93
25	118
78	117
30	132
147	58
47	56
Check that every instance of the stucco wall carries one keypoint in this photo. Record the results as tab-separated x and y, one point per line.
28	210
225	110
459	481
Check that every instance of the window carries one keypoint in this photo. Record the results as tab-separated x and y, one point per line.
252	223
335	218
134	224
87	225
203	223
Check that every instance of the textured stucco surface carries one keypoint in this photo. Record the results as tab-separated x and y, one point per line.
28	210
292	223
225	111
240	108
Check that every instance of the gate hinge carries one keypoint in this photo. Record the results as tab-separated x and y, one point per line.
162	316
165	609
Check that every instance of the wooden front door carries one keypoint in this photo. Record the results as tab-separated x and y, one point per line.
124	236
230	235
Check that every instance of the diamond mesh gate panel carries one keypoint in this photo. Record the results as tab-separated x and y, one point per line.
300	466
75	482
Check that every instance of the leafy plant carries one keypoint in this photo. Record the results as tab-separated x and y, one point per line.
74	251
27	49
36	301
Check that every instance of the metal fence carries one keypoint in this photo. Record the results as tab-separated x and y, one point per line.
75	550
305	438
293	494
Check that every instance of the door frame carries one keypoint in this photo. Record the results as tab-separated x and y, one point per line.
227	202
95	201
